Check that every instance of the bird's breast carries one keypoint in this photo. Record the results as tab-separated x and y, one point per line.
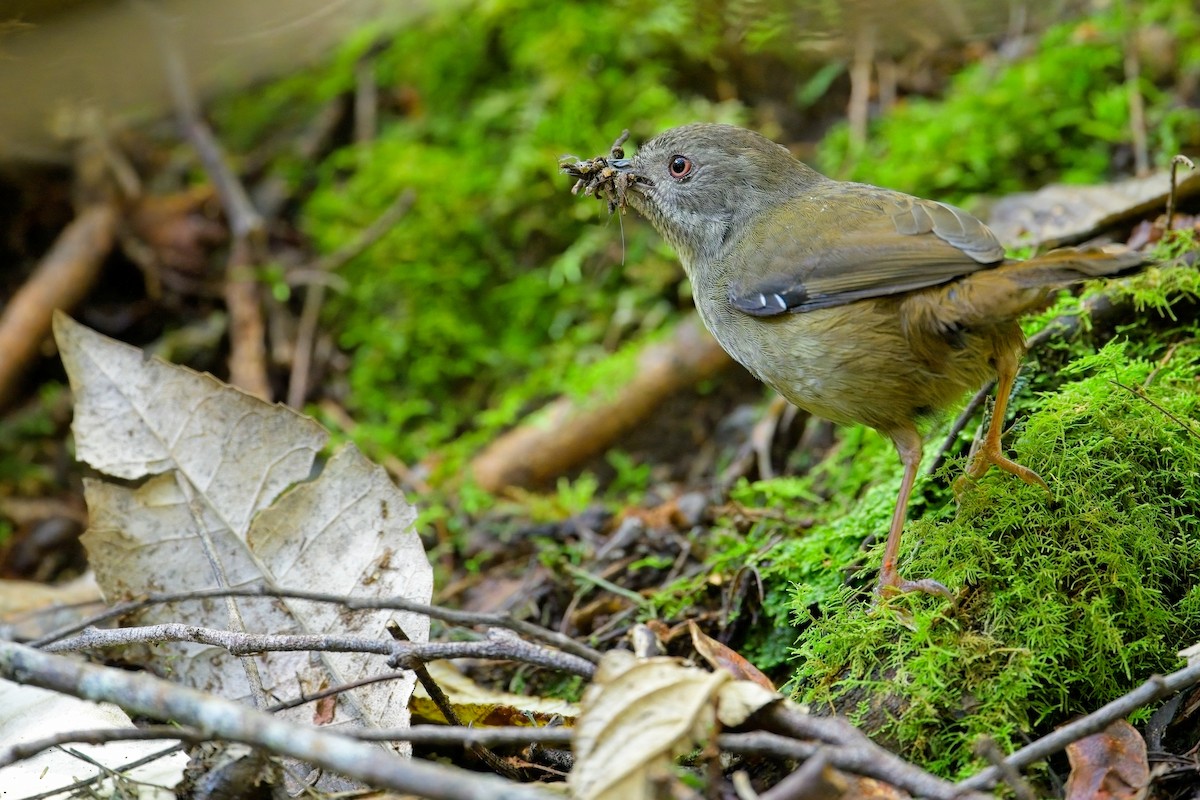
849	364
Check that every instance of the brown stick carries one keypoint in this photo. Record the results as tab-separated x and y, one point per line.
1137	108
1156	688
858	111
142	694
569	431
247	331
63	278
306	330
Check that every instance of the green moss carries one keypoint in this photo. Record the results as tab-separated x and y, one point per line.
487	296
29	451
1059	114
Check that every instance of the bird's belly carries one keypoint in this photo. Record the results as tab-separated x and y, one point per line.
852	363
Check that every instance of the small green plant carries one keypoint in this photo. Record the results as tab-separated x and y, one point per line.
631	479
25	468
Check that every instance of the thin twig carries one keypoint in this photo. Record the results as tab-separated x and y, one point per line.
86	782
144	694
244	220
1140	393
863	59
858	758
427	735
333	691
454	616
814	780
960	423
400	654
1156	688
1175	162
989	750
444	705
848	748
597	581
28	749
366	99
1137	106
62	279
435	735
247	332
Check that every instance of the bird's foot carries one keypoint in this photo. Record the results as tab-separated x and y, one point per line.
893	584
984	460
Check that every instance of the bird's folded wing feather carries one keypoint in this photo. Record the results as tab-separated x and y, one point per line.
884	244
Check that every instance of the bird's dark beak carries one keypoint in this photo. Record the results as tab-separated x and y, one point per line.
622	165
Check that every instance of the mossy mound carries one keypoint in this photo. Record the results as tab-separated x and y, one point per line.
1064	601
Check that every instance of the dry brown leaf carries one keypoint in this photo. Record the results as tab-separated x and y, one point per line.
29	610
1110	765
720	656
219	473
1066	214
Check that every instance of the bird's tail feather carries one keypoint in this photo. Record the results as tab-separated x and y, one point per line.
1007	292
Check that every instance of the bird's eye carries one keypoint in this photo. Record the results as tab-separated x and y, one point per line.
680	166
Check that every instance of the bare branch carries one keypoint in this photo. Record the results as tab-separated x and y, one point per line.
537	632
497	645
23	750
1154	689
461	735
848	749
314	296
140	693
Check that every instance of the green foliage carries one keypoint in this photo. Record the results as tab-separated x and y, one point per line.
1060	114
809	528
25	466
483	298
1064	603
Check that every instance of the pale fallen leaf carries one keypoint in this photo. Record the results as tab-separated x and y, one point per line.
1110	765
28	713
637	716
737	700
28	610
205	457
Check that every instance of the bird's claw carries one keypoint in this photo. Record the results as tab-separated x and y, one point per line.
898	585
984	460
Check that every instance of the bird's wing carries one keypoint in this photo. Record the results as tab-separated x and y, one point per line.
883	244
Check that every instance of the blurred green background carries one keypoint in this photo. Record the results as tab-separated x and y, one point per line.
499	289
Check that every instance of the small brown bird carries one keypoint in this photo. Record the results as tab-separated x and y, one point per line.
856	303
